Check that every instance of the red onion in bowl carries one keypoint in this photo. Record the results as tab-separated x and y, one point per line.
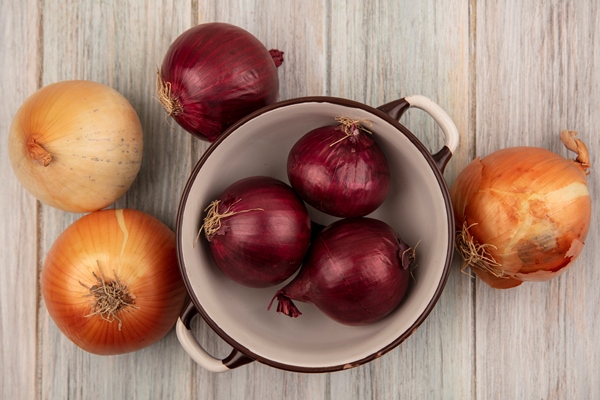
215	74
356	271
339	170
258	231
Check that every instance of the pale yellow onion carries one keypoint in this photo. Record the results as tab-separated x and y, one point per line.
76	145
129	260
522	213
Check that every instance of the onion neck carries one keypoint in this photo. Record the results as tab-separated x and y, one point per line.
37	152
583	158
277	56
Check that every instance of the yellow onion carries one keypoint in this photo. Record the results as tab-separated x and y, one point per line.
76	145
111	281
522	213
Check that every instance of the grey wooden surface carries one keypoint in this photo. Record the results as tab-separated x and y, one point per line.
508	72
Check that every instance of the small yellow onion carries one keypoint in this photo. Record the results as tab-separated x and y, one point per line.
76	145
111	281
522	213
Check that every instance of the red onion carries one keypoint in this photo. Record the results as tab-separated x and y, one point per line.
339	170
356	272
215	74
258	230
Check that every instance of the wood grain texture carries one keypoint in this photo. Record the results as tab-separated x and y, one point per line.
19	34
537	73
508	73
118	45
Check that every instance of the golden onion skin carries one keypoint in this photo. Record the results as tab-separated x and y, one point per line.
529	207
76	145
124	245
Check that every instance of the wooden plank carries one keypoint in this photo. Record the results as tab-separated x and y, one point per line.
381	51
19	293
119	45
526	70
536	74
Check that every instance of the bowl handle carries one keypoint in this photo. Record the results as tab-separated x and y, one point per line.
192	347
398	107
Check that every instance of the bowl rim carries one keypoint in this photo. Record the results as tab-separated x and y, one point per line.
449	215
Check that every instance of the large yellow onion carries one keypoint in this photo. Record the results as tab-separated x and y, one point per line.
111	281
76	145
522	213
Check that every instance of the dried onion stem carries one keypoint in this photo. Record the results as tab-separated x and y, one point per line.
577	146
37	152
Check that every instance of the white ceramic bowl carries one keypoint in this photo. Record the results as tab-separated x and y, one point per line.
418	207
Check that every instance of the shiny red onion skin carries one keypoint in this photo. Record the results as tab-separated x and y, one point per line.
357	271
261	248
219	73
350	178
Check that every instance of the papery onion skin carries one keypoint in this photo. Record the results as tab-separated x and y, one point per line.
214	74
134	247
265	240
529	207
357	271
341	175
76	145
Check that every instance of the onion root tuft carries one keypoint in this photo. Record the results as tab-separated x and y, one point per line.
110	297
212	221
169	102
351	127
475	255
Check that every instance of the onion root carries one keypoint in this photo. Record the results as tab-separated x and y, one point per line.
212	221
408	257
170	103
475	255
110	297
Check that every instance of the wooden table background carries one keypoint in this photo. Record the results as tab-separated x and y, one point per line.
508	72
